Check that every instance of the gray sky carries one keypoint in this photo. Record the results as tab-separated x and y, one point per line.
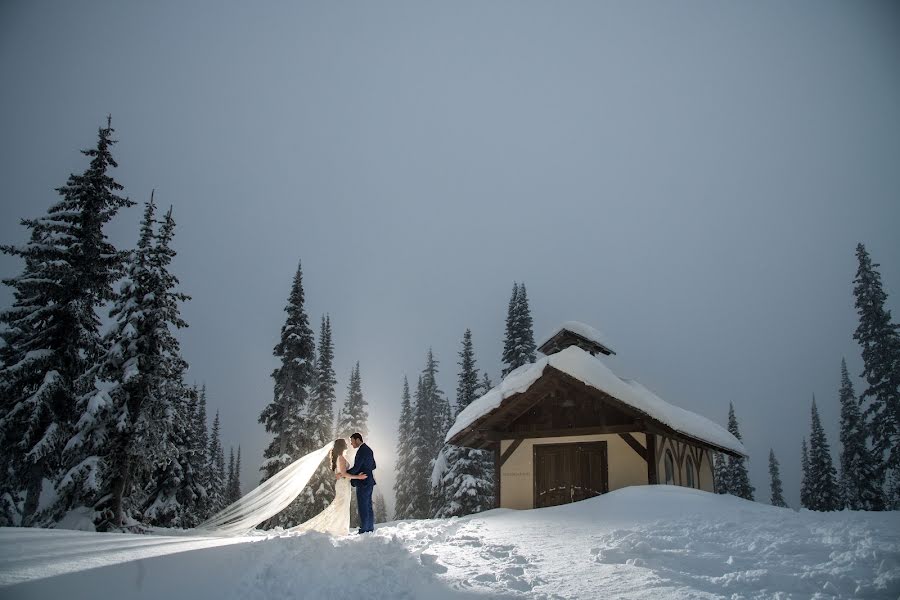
690	178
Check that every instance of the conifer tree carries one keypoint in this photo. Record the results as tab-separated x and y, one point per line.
284	416
200	445
486	384
462	478
52	329
879	339
804	476
320	417
354	417
236	491
720	473
859	479
776	497
380	508
406	465
518	344
429	422
822	488
229	498
736	476
216	470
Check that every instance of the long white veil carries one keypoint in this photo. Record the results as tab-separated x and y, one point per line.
266	500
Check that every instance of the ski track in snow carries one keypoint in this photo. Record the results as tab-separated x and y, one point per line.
633	543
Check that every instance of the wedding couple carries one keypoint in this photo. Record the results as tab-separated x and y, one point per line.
335	519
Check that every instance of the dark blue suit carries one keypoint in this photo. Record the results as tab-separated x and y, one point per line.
364	462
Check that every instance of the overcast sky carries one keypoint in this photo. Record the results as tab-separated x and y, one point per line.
690	178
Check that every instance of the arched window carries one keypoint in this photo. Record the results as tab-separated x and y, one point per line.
690	472
670	468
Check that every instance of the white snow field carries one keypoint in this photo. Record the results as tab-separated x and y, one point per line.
642	542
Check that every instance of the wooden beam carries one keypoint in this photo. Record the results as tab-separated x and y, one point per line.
635	445
652	477
497	475
509	451
596	430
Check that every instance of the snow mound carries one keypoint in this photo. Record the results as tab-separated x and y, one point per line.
647	542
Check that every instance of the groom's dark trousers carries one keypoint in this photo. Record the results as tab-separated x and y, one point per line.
364	462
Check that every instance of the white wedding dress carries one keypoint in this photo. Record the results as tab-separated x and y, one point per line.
335	518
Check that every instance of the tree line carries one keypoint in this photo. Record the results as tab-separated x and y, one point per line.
868	473
102	422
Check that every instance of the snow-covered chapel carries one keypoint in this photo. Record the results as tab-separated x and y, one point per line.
566	428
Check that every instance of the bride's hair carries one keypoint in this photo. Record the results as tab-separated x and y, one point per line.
340	445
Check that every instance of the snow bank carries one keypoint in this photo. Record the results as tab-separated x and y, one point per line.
644	542
590	370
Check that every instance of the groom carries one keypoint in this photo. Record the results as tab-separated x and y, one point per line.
363	462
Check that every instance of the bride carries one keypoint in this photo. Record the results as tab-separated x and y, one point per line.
276	493
335	519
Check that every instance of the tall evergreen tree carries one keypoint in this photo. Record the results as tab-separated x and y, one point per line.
429	428
406	458
859	480
380	508
354	416
284	416
216	469
462	478
823	489
200	444
320	418
737	479
720	473
879	339
518	344
236	490
776	497
229	487
804	475
52	328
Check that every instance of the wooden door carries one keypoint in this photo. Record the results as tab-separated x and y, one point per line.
566	473
553	471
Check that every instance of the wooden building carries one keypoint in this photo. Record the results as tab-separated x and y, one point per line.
566	428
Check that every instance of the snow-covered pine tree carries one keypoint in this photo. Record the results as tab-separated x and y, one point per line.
200	446
859	478
518	344
52	329
403	492
509	339
353	418
380	508
737	478
215	457
823	489
776	498
236	489
486	384
229	487
284	416
804	475
879	339
429	422
720	473
462	478
174	488
320	416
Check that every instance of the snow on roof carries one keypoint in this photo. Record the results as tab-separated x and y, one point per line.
582	329
590	370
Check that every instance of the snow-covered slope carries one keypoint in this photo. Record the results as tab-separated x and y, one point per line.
642	542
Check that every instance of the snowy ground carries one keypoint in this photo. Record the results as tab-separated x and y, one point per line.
648	542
